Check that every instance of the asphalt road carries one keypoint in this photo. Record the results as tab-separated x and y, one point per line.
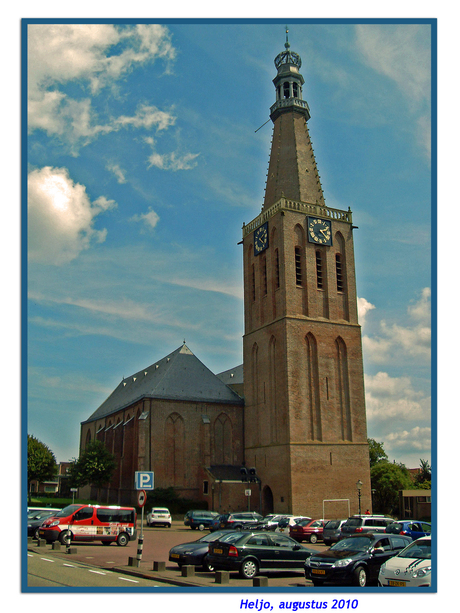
93	559
49	571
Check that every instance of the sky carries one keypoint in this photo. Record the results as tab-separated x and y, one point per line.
145	158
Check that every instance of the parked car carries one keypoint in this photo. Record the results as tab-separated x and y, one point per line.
365	523
414	529
199	519
238	521
159	516
251	552
285	524
195	553
215	524
86	522
410	568
355	559
331	532
308	530
35	520
32	510
271	522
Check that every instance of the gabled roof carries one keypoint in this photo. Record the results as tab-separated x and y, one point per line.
178	376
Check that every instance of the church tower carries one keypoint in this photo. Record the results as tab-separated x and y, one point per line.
305	419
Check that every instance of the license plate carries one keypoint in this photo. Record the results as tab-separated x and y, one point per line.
218	551
282	529
41	532
175	555
397	583
317	571
222	525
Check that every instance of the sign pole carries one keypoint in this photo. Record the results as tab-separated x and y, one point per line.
141	500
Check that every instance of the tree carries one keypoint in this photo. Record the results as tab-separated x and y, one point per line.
41	462
376	452
387	479
423	479
95	466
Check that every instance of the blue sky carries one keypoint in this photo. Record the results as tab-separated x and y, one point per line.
143	164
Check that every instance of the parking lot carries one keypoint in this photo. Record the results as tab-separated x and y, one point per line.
157	543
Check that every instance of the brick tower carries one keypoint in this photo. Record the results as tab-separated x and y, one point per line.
305	420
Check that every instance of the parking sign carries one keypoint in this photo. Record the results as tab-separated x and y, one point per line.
143	480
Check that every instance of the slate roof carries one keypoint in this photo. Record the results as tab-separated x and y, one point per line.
178	376
233	376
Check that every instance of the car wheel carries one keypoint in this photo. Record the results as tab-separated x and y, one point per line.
238	528
313	539
193	527
122	539
63	537
327	542
201	527
249	569
360	577
207	566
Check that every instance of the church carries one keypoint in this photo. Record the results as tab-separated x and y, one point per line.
286	431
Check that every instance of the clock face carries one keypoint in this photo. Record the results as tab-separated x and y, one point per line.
319	231
261	238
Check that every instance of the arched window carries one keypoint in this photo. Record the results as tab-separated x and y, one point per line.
223	448
175	450
319	269
338	270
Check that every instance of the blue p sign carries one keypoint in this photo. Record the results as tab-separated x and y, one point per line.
143	480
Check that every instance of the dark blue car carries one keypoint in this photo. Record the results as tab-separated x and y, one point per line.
414	529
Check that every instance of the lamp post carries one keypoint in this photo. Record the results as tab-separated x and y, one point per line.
359	485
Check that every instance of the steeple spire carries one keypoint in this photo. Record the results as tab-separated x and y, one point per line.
292	171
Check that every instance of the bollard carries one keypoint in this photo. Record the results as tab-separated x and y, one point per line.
134	562
188	571
140	545
56	546
41	543
222	576
159	566
71	550
260	582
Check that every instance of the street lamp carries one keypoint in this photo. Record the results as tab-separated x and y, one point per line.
359	485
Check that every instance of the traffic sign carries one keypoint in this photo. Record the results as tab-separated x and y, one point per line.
247	492
141	498
144	480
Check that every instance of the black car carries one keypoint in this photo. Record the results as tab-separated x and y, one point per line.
239	521
251	552
355	559
195	553
35	520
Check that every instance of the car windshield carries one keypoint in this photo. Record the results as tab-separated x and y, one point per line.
418	550
394	528
354	521
354	544
66	511
231	537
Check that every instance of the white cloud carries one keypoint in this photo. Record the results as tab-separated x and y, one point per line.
415	439
170	161
363	308
394	398
61	216
150	219
80	53
118	172
413	340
